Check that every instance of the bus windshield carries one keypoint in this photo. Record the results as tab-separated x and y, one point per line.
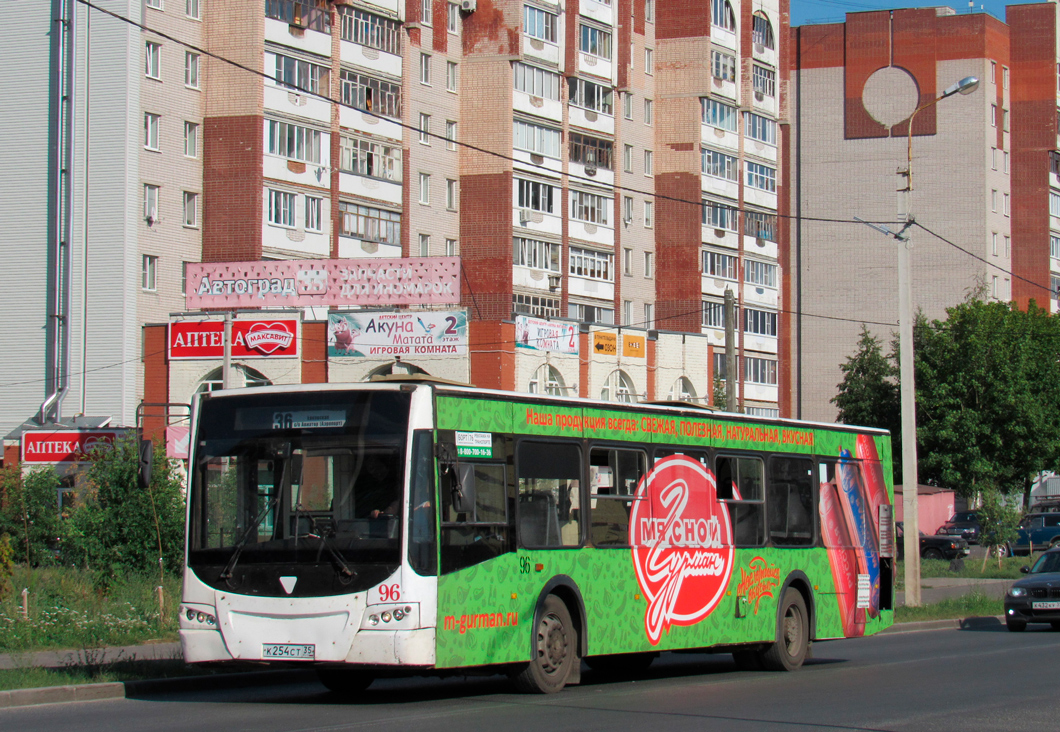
311	482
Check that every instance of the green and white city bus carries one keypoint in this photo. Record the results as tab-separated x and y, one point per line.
412	525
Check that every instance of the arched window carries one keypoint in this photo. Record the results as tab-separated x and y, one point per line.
723	17
547	380
682	391
618	388
241	376
762	32
395	367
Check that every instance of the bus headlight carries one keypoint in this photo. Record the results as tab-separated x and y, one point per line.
193	617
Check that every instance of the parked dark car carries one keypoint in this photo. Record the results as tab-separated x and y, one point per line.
964	524
1040	529
933	547
1036	598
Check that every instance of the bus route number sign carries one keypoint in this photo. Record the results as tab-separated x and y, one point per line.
474	444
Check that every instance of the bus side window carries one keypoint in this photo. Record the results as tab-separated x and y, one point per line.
613	479
740	482
789	501
474	513
549	489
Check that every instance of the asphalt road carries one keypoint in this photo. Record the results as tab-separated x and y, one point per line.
940	680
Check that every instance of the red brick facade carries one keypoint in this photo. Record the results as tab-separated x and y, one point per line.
232	186
156	380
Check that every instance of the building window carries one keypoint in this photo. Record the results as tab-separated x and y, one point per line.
536	254
156	4
453	18
764	81
425	69
1054	246
450	248
649	10
719	165
649	61
1008	251
1004	77
993	243
717	114
591	264
618	387
627	312
425	189
767	412
993	286
370	158
311	14
191	209
1005	200
368	29
1004	156
760	225
538	23
450	76
649	214
425	129
713	314
314	218
759	322
587	95
150	204
191	9
649	264
1004	120
537	139
993	200
536	82
370	224
153	60
627	254
993	72
539	307
761	177
151	125
993	115
546	380
723	65
184	278
762	31
294	73
649	316
534	195
590	151
281	208
450	135
719	265
648	107
627	158
191	70
589	207
426	12
722	15
590	313
627	105
294	142
1054	203
993	158
425	245
760	370
450	194
150	273
759	273
595	42
719	216
648	162
191	139
376	96
760	128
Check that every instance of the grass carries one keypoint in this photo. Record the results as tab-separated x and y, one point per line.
971	605
31	677
972	569
66	611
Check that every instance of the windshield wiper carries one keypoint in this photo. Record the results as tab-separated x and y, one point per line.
226	573
341	567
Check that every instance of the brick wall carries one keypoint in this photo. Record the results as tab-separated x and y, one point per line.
314	353
156	380
492	346
232	185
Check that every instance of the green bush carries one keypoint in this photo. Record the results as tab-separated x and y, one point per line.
116	527
30	513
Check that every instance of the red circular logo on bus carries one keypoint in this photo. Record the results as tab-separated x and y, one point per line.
682	544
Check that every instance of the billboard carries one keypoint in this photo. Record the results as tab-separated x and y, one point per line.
546	335
383	335
60	446
191	339
324	282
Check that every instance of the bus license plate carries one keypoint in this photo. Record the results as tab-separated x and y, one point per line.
299	651
1045	605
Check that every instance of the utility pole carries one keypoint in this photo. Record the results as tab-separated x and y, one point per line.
226	365
730	351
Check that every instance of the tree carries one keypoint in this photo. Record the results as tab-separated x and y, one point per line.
116	526
30	513
997	523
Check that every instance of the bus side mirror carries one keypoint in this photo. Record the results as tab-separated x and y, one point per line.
146	455
463	488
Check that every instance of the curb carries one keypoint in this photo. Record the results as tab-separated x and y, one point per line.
147	687
972	623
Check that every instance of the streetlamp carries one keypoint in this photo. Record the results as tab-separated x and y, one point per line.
910	504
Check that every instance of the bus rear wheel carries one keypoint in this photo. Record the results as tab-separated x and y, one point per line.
345	681
793	634
555	650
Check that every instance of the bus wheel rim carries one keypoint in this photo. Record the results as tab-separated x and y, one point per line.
552	644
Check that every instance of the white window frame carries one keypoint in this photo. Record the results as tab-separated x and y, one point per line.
720	115
649	61
451	248
425	128
649	265
627	105
762	129
723	65
649	316
760	322
314	213
149	273
191	210
154	4
627	211
192	10
535	81
427	12
295	142
764	80
590	208
761	176
540	24
591	264
720	264
762	274
649	214
649	106
717	164
425	69
627	158
152	131
450	135
451	79
760	370
425	189
649	163
151	193
425	245
282	208
595	42
191	70
191	139
721	215
452	18
536	254
537	139
451	194
153	60
535	195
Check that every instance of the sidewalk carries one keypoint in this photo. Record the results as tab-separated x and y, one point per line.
936	589
91	656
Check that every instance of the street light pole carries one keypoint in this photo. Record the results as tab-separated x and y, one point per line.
910	481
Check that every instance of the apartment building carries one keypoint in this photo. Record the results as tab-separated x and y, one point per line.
100	193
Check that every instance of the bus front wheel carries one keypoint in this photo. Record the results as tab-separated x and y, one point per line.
793	634
555	650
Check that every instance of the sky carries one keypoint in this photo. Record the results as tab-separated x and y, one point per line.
834	11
